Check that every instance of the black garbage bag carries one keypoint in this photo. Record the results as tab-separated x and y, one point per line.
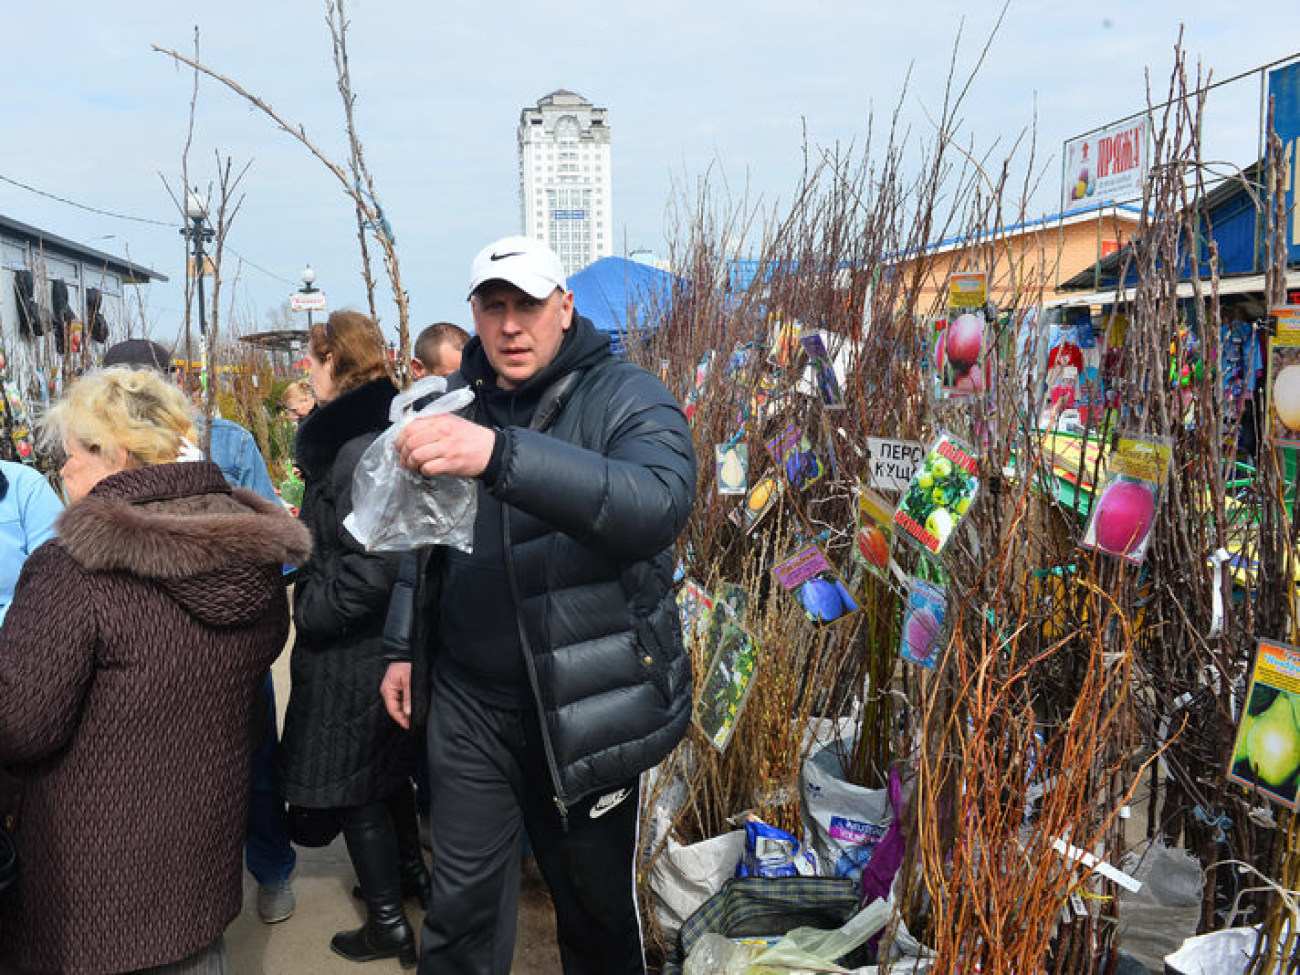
64	316
98	324
31	317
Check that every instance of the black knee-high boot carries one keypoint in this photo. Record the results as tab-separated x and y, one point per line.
410	857
372	846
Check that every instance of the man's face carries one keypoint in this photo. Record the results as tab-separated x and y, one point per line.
448	360
443	360
521	335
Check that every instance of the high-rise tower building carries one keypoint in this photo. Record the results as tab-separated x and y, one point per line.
564	178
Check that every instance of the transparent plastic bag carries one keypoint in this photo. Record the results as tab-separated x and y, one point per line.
715	955
812	949
393	508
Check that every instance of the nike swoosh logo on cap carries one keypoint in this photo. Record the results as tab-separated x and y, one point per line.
501	257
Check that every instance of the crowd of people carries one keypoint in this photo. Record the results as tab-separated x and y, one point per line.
513	694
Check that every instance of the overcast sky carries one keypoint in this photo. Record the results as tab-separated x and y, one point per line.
91	114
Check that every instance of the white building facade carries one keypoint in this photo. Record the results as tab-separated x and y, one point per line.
565	191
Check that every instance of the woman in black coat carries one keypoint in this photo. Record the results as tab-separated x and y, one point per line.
342	759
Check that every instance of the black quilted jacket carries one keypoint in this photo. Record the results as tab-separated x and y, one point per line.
595	501
339	746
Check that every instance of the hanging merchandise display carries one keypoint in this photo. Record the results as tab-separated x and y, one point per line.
823	369
731	465
16	421
874	534
724	691
1129	498
940	494
822	593
923	620
794	453
1283	385
1266	751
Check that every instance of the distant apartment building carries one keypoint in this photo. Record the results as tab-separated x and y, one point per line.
564	178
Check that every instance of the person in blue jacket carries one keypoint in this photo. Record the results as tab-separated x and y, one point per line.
267	849
28	508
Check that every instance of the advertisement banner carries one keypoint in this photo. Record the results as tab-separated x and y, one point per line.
1108	166
1284	89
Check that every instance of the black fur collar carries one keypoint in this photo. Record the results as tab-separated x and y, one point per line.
327	428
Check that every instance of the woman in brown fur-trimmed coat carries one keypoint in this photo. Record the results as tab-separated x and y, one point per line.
129	667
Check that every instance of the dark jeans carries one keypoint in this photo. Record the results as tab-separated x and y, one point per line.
487	769
267	849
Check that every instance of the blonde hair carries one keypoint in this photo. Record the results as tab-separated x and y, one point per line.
296	392
136	410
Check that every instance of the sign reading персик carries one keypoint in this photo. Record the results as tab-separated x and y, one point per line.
892	462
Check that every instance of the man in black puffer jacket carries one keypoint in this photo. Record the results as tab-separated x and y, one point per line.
558	673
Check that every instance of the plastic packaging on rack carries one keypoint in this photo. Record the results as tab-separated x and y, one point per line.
394	508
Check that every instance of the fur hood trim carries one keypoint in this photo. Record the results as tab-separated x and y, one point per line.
172	521
327	428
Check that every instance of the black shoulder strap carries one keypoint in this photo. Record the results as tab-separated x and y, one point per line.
553	400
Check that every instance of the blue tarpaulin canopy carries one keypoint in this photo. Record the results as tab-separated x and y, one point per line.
615	292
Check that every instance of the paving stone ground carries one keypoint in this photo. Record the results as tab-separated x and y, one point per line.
323	884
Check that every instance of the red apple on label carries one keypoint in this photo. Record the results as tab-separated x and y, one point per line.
873	546
1124	516
965	337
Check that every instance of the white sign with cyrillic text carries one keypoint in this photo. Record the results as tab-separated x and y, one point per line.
892	463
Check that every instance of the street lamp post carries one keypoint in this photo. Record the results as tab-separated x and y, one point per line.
308	280
198	233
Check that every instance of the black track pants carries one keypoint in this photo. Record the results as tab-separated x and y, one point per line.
488	777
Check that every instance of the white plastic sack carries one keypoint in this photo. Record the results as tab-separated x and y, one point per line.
1226	952
393	508
684	877
847	822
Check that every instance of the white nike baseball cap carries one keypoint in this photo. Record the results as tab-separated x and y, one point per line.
526	263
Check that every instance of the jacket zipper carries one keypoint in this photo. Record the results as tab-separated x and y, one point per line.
529	665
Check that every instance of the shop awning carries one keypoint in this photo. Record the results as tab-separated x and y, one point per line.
1235	285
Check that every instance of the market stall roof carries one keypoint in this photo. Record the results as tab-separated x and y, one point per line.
1231	221
280	340
44	240
1091	213
616	293
1236	284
